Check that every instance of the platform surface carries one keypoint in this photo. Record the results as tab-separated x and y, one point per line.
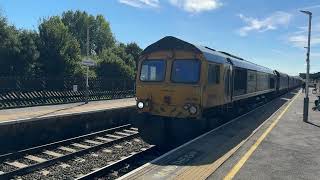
62	109
290	151
271	142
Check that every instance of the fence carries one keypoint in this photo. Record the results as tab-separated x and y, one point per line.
22	92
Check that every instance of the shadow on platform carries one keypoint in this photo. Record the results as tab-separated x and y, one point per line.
313	124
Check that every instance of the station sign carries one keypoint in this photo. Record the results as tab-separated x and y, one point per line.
88	62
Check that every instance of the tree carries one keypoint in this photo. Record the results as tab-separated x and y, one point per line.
134	50
28	64
9	48
60	51
100	33
112	66
18	51
120	51
56	49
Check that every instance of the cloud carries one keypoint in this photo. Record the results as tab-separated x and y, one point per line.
299	38
269	23
311	7
141	3
193	6
196	6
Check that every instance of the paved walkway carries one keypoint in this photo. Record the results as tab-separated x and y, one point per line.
284	148
62	109
290	151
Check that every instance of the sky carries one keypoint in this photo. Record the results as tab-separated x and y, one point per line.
272	33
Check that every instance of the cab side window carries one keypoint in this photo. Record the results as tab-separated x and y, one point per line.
213	74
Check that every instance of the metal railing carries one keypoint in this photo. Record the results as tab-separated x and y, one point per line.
22	92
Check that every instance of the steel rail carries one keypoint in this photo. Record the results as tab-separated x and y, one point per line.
60	143
117	164
49	162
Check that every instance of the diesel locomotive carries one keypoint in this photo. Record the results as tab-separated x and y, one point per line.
182	87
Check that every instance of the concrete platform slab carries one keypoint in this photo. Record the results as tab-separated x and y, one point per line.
289	151
8	115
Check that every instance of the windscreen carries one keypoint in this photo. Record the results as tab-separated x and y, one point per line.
185	71
152	70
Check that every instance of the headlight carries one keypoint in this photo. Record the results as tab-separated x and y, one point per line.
140	105
193	110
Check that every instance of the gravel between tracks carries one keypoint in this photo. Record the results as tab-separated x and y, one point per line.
116	173
6	168
87	163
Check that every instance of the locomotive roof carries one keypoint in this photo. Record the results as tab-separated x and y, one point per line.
173	43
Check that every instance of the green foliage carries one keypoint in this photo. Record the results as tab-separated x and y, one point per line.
112	66
9	47
120	51
134	50
60	51
58	47
29	53
18	51
100	33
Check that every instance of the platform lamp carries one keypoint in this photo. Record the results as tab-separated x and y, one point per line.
306	99
87	70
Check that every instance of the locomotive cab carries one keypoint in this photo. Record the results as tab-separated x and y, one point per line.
170	89
169	84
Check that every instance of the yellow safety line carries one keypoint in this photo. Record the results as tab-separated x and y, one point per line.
247	155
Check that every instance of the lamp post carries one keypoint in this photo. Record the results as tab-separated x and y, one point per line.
87	69
306	99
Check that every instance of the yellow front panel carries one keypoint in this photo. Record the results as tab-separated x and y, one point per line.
167	98
179	95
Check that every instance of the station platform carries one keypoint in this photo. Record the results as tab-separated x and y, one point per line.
271	142
22	128
36	112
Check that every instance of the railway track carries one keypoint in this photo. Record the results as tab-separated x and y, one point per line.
106	154
79	157
104	173
123	166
